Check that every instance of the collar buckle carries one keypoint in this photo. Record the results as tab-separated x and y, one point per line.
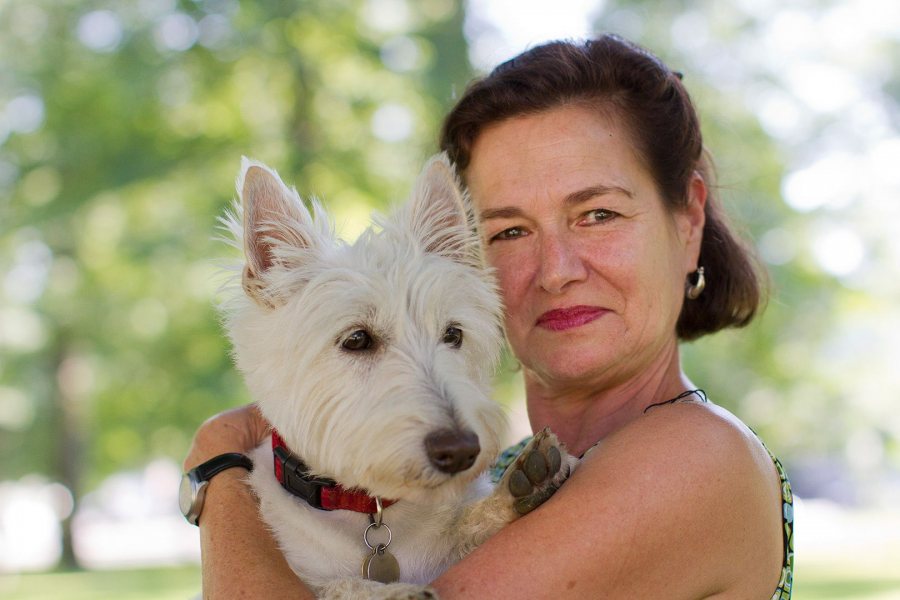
294	477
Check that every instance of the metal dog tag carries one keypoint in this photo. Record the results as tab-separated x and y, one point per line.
381	566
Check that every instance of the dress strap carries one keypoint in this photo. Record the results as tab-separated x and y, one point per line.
683	397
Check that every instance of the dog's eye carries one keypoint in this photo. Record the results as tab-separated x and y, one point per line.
358	340
453	336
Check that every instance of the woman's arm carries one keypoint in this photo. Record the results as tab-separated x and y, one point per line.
682	503
240	558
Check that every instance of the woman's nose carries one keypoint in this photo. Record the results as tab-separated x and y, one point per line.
560	264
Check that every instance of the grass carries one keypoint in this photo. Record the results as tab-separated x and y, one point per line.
816	581
834	581
176	583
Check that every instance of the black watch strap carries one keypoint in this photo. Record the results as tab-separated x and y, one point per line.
207	470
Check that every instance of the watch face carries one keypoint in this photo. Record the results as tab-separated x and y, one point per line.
185	494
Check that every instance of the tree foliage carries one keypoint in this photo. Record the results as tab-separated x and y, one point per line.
126	124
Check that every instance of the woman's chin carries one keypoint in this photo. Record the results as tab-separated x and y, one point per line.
569	369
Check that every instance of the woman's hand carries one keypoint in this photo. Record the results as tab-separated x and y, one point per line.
236	430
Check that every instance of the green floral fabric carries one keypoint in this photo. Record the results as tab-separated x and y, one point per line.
783	591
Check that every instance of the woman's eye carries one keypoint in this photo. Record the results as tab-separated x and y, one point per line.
453	336
598	215
358	340
509	234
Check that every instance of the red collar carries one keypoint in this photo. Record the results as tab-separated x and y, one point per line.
319	492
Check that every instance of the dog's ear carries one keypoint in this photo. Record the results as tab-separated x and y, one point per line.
437	213
275	221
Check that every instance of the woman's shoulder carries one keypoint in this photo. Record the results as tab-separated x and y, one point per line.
691	442
692	427
677	496
706	481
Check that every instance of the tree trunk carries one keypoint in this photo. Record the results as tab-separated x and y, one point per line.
69	401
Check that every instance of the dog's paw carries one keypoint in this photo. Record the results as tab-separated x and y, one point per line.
407	591
364	589
419	593
538	471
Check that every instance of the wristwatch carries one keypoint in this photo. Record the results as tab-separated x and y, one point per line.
192	491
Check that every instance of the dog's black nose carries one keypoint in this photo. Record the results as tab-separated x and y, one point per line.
452	450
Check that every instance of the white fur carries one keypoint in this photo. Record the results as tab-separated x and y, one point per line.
360	418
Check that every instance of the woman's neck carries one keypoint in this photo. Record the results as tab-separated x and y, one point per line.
583	415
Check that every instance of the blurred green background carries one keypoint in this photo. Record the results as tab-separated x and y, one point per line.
122	125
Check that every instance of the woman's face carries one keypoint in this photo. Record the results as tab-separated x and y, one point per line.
591	265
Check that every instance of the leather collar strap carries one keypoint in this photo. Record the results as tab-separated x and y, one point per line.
318	492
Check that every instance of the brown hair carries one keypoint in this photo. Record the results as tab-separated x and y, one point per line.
610	72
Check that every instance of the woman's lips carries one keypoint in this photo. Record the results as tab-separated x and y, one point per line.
566	318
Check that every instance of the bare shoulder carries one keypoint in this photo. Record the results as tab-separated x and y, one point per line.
709	489
681	503
704	437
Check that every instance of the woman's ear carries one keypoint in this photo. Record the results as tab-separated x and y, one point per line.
693	219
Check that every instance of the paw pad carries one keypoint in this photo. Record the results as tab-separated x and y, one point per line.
535	474
535	467
519	484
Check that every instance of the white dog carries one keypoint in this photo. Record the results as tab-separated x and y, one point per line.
373	362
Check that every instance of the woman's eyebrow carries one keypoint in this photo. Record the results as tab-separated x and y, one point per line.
587	193
506	212
577	197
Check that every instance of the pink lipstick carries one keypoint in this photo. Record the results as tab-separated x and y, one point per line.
561	319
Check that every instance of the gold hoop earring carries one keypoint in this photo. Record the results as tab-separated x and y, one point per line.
694	289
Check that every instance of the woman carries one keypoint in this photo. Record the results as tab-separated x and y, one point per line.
587	175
